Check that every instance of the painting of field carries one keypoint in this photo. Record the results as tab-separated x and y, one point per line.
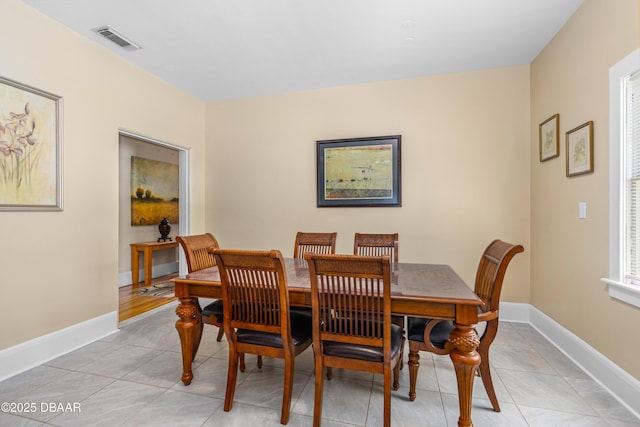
154	192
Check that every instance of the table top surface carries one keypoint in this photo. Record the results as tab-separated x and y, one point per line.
432	282
156	244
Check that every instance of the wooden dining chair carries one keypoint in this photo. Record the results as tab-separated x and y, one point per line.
376	245
197	253
257	319
320	243
362	337
379	245
195	249
433	334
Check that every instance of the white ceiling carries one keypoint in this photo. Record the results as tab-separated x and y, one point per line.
226	49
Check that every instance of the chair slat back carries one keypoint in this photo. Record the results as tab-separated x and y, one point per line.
319	243
351	298
254	288
376	245
491	271
196	250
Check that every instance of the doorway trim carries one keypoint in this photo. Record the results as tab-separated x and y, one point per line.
185	202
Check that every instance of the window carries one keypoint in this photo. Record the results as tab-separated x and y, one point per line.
631	143
624	180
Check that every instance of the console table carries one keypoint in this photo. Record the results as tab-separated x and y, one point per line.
147	249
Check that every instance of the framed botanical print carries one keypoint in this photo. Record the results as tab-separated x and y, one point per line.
580	150
30	148
549	138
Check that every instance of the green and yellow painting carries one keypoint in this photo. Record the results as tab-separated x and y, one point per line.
359	172
155	189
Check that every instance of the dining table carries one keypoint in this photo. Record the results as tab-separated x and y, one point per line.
418	290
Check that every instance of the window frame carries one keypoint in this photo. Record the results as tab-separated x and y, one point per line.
617	285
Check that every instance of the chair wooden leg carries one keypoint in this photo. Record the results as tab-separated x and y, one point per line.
414	364
396	376
197	336
232	375
329	373
400	321
220	334
289	368
242	365
387	395
317	401
484	368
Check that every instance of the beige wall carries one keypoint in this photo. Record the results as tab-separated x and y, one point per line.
465	167
469	164
60	268
570	255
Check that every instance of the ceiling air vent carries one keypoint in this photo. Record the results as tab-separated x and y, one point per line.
111	34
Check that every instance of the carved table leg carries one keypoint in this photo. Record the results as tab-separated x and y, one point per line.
187	312
414	364
464	341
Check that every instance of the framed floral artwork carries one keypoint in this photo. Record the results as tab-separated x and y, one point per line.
549	138
580	149
30	148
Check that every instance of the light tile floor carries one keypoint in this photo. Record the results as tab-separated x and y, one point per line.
132	378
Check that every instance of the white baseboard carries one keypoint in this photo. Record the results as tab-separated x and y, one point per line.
614	379
124	278
29	354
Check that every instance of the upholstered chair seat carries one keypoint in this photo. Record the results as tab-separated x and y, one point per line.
364	352
439	334
300	333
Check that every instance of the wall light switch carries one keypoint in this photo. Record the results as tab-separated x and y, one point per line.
582	210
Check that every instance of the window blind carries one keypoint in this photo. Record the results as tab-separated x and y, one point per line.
631	141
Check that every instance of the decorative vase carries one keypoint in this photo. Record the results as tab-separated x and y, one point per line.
164	229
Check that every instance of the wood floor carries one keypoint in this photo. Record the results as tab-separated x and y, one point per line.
132	305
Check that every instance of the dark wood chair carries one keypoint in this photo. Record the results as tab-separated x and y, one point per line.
257	319
362	337
198	252
195	249
376	245
379	245
433	334
319	243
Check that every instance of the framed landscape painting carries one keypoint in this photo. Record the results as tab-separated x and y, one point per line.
359	172
30	148
155	189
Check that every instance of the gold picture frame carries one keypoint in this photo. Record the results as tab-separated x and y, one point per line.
579	147
30	148
549	137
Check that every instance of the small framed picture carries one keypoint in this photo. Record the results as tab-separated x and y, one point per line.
550	138
580	150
